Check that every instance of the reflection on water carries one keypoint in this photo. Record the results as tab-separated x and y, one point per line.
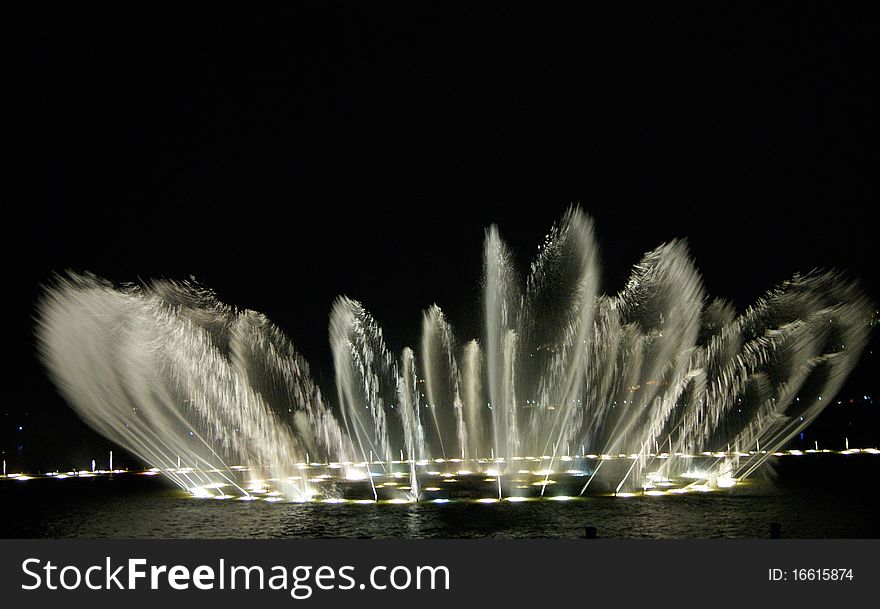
811	500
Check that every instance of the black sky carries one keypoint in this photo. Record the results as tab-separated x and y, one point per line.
284	158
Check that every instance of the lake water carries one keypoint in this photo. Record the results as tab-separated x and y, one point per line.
811	498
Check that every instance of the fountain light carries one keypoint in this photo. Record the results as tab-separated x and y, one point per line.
725	481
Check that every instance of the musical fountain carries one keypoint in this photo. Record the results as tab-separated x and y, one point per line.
568	391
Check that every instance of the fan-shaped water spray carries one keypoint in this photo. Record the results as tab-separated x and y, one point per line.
656	383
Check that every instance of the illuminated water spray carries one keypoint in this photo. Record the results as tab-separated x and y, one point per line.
625	388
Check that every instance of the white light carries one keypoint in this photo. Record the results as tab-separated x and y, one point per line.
725	482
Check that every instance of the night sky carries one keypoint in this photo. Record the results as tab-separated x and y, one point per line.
285	158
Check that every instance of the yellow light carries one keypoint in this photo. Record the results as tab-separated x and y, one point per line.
725	482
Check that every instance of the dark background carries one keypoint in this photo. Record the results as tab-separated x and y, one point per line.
284	158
